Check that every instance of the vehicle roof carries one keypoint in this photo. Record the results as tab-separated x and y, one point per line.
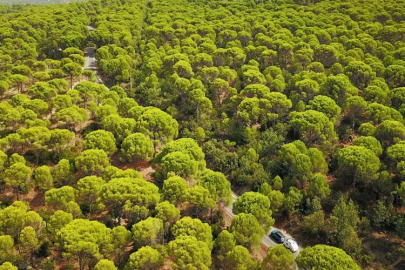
292	241
280	234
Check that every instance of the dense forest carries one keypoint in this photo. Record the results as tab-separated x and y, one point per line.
288	113
38	2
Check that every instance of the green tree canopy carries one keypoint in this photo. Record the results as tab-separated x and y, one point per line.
278	258
148	232
188	226
357	163
85	240
18	176
175	189
247	230
100	139
88	189
313	127
92	161
144	258
325	257
105	265
187	252
218	186
132	195
137	145
256	204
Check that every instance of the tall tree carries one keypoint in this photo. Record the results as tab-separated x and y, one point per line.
256	204
18	176
188	253
278	258
144	258
247	231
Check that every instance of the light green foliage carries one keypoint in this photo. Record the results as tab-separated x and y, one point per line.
7	251
60	139
199	201
112	172
63	172
224	243
158	125
318	161
43	178
256	204
60	197
370	143
175	189
74	209
92	161
125	105
144	258
299	163
17	216
292	200
253	111
8	266
57	221
275	196
132	195
189	253
3	159
359	73
357	163
148	232
246	80
180	164
88	189
255	90
85	240
325	257
188	226
105	265
313	127
100	139
278	258
120	127
184	157
4	86
18	176
72	116
137	145
239	258
29	240
73	70
367	129
378	113
388	130
168	213
325	105
338	88
218	186
247	230
121	237
318	186
305	90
